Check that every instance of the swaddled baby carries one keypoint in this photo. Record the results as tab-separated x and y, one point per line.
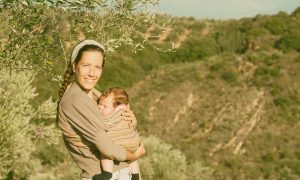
122	132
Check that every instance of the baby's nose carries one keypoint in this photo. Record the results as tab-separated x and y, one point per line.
100	106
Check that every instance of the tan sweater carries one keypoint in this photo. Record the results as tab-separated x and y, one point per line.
85	133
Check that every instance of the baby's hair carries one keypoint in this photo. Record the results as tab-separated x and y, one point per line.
120	96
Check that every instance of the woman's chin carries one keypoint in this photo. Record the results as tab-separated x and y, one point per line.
88	87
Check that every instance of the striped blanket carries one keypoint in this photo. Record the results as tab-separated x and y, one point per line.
121	132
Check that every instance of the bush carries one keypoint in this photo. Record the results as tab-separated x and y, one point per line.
295	166
229	76
276	25
257	32
18	134
281	102
230	37
289	41
225	69
297	59
164	162
195	49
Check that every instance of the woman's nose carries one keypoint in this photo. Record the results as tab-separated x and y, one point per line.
91	72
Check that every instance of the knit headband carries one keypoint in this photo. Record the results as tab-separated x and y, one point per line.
83	43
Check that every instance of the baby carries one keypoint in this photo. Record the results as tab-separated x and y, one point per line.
110	103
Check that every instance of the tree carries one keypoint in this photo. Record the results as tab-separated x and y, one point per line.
42	32
34	36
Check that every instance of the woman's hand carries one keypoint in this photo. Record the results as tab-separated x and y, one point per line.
140	151
129	116
137	154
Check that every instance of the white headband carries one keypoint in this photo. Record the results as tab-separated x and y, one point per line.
83	43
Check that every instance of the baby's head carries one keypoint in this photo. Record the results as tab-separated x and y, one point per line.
111	98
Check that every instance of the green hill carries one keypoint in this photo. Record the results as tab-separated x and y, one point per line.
215	111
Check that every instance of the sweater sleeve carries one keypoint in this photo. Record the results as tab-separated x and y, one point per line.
85	117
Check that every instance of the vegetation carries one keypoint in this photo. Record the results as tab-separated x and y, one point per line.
289	41
165	162
223	105
20	130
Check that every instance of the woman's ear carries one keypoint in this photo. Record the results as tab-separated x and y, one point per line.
73	67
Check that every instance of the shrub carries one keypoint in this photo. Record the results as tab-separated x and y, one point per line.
229	76
297	59
225	69
18	135
289	41
257	32
276	25
281	102
229	37
162	161
295	166
195	49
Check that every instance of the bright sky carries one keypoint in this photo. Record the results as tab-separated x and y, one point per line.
226	9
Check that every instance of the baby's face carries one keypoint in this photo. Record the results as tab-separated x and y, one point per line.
106	105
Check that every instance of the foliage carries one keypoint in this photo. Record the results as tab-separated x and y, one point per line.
256	32
18	136
229	36
290	41
277	25
54	159
164	162
195	49
224	69
41	33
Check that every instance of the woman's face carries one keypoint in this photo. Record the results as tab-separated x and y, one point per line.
88	70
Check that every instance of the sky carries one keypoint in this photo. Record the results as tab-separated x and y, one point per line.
225	9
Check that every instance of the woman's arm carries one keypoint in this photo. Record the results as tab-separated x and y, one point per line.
128	115
137	154
85	117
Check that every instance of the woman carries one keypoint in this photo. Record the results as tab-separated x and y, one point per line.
83	128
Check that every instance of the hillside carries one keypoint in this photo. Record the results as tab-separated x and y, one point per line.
229	95
215	112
